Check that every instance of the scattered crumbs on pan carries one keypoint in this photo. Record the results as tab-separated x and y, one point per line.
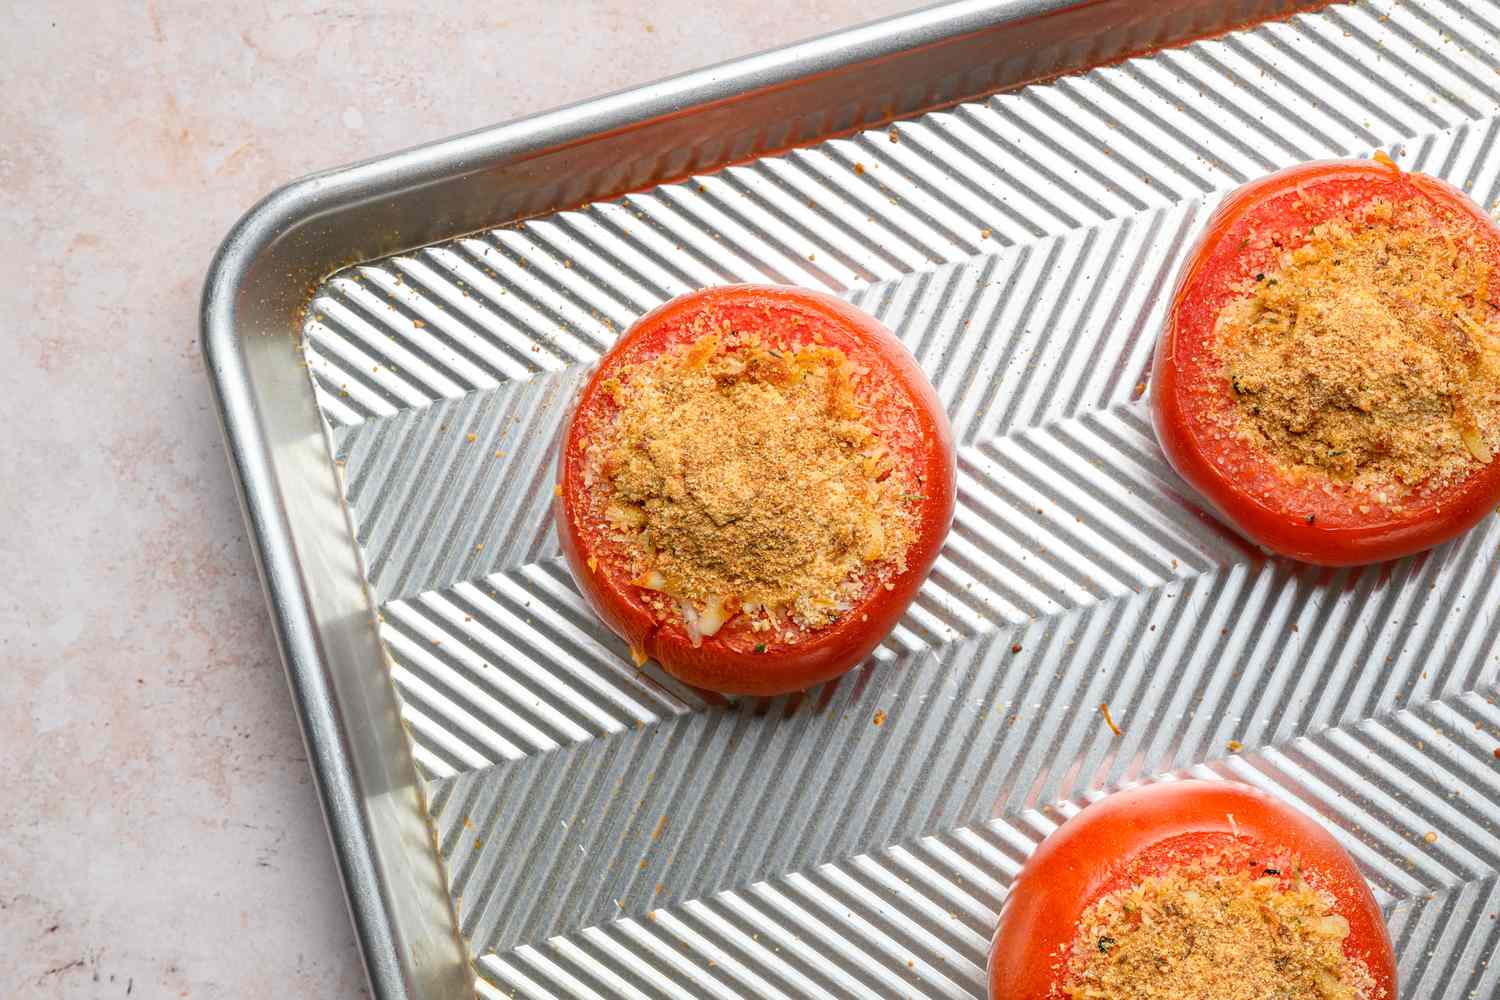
984	234
1109	719
859	168
1430	836
472	438
661	826
1015	647
895	136
879	719
1235	746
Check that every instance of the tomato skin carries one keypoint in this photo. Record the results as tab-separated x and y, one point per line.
1087	856
737	660
1338	534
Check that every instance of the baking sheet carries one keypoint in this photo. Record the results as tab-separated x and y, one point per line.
609	833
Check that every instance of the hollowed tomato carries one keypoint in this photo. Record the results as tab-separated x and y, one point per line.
1135	834
1307	517
738	659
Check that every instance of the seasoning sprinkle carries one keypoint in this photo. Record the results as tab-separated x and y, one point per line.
1371	355
1216	928
742	476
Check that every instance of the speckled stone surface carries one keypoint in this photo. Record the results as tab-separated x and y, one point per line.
159	836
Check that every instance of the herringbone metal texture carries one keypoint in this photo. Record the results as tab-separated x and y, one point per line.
609	833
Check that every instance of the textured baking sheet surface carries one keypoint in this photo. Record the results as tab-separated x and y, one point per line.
610	834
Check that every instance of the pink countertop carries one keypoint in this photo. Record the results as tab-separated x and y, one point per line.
159	836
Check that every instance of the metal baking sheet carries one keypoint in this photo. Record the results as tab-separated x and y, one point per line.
602	831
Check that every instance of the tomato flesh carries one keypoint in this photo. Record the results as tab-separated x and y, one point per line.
912	424
1299	518
1131	835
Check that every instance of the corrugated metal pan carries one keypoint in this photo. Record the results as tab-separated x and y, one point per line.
601	831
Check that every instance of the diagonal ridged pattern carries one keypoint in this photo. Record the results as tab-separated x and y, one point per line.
1050	519
914	919
611	834
456	467
1446	942
1041	735
457	489
1057	303
515	662
550	293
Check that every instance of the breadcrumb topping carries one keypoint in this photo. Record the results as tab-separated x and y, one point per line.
1371	355
745	478
1228	927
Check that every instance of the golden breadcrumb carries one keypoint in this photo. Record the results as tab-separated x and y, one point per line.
1226	928
744	478
1371	355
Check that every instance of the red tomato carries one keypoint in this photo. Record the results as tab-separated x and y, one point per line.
1295	518
1132	835
912	424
